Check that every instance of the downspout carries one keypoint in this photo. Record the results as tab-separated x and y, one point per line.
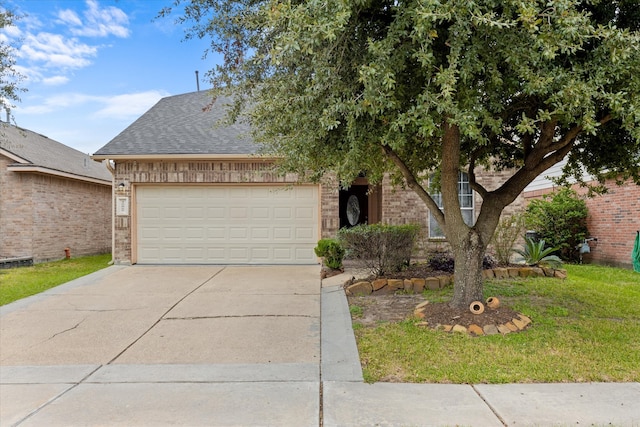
111	168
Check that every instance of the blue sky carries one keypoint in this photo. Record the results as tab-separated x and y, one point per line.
94	66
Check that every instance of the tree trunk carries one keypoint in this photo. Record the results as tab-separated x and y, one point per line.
468	252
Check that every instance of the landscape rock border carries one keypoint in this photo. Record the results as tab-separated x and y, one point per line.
518	323
386	286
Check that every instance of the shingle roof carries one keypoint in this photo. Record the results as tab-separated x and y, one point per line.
182	124
30	149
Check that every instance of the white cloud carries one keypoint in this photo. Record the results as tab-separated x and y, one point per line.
55	80
98	21
129	105
54	50
124	106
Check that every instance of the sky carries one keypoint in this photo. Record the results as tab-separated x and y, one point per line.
92	67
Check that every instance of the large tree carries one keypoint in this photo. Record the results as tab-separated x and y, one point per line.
419	88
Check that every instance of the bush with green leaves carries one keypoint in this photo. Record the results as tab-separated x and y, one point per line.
380	248
331	252
535	254
560	219
504	239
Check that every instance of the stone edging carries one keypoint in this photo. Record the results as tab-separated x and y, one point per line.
417	285
518	323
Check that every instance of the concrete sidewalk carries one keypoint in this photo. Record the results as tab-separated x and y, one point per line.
238	346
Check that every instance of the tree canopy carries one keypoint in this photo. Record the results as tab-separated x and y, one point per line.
9	76
417	87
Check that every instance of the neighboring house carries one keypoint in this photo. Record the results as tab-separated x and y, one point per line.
188	191
52	197
613	218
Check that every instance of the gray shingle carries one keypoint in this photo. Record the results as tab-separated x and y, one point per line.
182	124
39	150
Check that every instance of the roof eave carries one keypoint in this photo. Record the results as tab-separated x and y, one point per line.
48	171
13	156
225	157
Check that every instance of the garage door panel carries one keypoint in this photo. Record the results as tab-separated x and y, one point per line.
227	224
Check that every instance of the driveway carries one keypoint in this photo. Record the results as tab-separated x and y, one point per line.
131	345
239	346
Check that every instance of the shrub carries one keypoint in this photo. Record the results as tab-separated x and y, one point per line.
535	254
331	251
443	261
560	219
380	248
509	230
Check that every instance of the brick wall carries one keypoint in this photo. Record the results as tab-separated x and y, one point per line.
16	218
613	219
399	206
403	206
41	215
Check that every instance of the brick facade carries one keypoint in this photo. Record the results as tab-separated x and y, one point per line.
133	173
399	206
613	218
41	215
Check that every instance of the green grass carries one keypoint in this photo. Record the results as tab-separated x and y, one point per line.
18	283
585	328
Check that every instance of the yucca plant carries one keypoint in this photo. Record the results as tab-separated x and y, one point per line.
535	254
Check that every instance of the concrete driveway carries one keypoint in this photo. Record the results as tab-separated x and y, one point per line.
239	346
132	345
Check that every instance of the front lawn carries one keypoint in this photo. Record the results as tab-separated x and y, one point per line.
17	283
585	328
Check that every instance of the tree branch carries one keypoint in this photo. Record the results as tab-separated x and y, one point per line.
413	183
473	183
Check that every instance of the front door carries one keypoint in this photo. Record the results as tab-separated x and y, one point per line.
359	204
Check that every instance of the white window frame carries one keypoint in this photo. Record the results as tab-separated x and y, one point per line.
466	198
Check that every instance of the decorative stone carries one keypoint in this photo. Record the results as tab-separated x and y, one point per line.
519	323
378	284
490	330
423	324
560	274
395	284
408	285
432	283
419	313
418	285
447	328
524	319
488	274
459	328
475	330
422	305
548	272
511	326
501	273
526	272
537	272
503	329
513	271
360	288
444	281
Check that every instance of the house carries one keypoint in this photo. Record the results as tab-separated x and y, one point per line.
613	218
52	197
190	192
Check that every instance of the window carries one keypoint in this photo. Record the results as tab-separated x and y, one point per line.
465	195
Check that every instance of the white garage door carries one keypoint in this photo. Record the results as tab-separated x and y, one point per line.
227	224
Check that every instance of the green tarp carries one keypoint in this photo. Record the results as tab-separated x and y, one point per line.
635	255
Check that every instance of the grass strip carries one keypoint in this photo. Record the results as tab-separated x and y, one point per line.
21	282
